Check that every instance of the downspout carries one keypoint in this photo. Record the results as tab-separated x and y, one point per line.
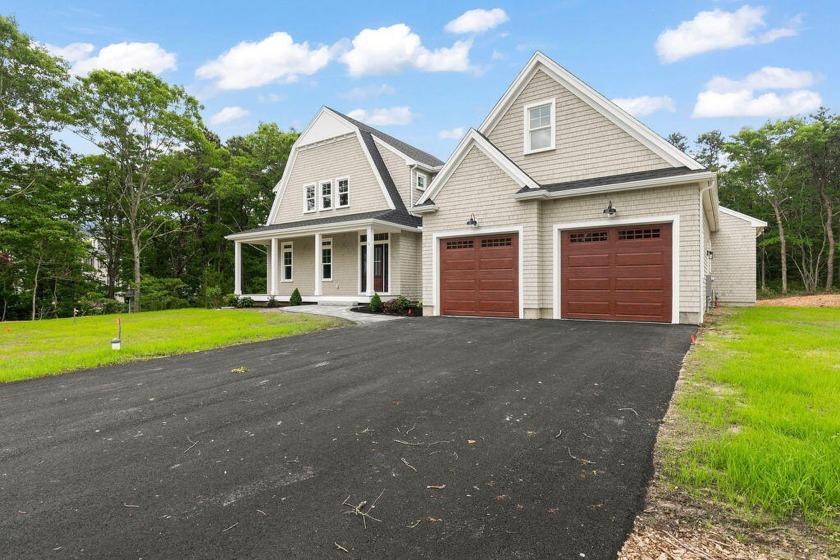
411	170
703	253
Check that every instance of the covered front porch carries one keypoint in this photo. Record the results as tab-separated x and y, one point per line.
341	263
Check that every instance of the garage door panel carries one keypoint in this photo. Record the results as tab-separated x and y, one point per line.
621	273
479	276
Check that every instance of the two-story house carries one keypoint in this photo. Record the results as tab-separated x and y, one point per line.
560	205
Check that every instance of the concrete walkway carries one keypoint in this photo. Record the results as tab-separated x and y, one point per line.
341	312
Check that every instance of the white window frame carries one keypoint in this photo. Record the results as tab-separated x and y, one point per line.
287	246
306	198
527	125
327	243
337	197
425	181
321	184
386	241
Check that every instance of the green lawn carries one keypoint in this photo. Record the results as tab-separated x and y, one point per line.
38	348
761	414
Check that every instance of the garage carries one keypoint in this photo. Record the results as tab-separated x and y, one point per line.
618	273
479	276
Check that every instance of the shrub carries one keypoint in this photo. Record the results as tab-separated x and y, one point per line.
376	304
398	306
230	300
295	298
272	302
95	304
213	297
157	294
245	302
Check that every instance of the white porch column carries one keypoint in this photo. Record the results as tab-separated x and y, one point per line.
318	267
369	264
273	273
237	268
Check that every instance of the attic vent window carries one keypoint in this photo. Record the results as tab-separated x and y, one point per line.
421	181
539	126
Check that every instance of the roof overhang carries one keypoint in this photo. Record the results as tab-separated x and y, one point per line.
475	139
424	209
755	222
381	226
689	178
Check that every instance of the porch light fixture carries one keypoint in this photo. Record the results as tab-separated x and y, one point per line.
471	222
710	253
609	210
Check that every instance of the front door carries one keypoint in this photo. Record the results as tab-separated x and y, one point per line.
380	268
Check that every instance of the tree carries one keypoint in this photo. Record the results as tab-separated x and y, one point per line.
678	140
709	150
137	119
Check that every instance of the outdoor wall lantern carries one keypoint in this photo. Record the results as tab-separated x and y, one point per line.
471	222
609	210
710	253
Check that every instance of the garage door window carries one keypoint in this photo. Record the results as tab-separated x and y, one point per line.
588	237
497	242
642	233
468	244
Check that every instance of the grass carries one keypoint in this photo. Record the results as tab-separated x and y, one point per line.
39	348
761	407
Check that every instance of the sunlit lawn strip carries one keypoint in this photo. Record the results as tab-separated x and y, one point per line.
35	349
761	406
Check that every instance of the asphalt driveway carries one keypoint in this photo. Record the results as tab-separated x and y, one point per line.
477	438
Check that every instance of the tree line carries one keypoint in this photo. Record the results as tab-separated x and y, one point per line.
152	199
150	202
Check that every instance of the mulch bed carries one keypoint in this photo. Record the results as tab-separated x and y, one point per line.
415	311
816	300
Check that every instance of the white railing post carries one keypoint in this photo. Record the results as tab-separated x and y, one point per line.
237	268
369	264
318	267
273	272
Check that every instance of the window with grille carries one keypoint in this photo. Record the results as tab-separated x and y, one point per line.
326	195
497	242
343	193
376	237
587	237
462	244
639	233
309	198
326	259
287	262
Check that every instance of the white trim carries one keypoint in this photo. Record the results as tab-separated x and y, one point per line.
473	138
359	246
338	194
552	125
304	231
291	247
273	266
755	222
280	187
607	108
425	209
618	187
305	198
237	267
517	229
326	241
321	195
612	222
408	160
313	298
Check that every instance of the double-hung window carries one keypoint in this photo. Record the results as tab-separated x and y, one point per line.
539	126
326	195
326	259
288	257
343	186
421	181
309	200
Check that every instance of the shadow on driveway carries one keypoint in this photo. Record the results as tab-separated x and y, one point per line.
480	438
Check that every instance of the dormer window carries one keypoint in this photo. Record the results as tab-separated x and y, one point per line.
421	181
539	126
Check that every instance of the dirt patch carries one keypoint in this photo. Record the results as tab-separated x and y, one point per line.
816	300
678	525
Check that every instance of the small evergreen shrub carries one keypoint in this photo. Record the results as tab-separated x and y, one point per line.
272	302
376	304
213	297
295	298
398	306
230	300
245	303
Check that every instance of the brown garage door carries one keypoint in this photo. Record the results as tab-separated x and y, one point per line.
479	276
621	273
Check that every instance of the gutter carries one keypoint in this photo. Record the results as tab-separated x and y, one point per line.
338	227
615	187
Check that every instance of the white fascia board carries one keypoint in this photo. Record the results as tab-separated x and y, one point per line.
607	108
473	138
618	187
426	209
755	222
408	160
339	227
375	169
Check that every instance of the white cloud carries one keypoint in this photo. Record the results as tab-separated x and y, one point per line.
645	104
119	57
476	21
272	98
725	97
383	117
498	55
388	50
229	114
452	133
769	77
717	30
368	91
275	58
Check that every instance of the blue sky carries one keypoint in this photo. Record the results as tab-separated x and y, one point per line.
427	71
